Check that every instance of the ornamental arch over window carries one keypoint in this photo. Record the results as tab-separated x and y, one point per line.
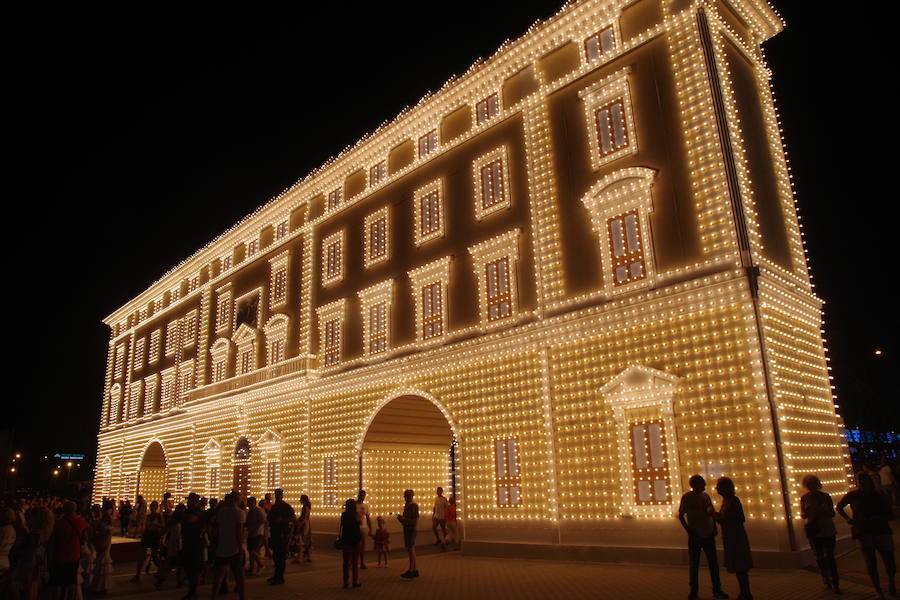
620	205
270	449
220	353
212	457
641	400
276	331
246	339
115	404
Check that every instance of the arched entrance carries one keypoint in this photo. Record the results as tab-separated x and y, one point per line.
242	467
409	444
151	482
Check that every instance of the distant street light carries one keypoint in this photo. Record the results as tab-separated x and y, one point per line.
879	352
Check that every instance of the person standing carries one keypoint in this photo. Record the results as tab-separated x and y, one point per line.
362	509
439	519
410	521
64	548
153	527
281	522
349	536
695	512
735	543
256	526
818	509
192	544
140	516
452	523
305	528
870	529
125	511
230	549
100	534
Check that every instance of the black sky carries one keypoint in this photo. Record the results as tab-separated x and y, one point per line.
137	135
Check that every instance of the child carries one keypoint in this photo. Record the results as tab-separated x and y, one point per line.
735	543
382	539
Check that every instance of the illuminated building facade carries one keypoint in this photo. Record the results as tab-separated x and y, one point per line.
559	286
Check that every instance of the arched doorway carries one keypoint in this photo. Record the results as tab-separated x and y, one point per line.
242	467
409	444
151	482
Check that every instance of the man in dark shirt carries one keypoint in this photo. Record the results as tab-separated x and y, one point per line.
281	523
696	516
192	522
410	521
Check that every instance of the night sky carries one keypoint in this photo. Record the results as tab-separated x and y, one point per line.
137	136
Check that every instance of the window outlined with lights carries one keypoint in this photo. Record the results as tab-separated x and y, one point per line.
430	290
332	260
246	339
135	399
428	206
603	42
212	458
220	359
610	119
223	308
642	402
276	331
490	174
428	143
269	447
331	332
375	310
151	396
190	329
153	353
507	474
167	390
377	236
139	353
487	109
620	205
494	262
278	280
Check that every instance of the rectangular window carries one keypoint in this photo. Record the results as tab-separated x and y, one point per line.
377	239
252	247
487	109
506	472
150	405
333	261
186	378
428	143
167	393
492	184
279	291
626	248
650	463
282	230
171	338
223	311
219	370
377	173
276	351
612	130
332	342
432	311
154	345
212	477
246	362
600	43
271	475
334	199
119	361
226	263
499	298
190	329
429	214
329	481
139	348
378	328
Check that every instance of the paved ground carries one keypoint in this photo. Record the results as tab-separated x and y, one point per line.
454	576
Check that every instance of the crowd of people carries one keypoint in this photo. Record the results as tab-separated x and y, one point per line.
54	548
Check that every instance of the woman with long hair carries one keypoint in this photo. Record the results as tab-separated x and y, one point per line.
349	536
735	543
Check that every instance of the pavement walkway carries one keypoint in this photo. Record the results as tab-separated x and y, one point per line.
455	576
